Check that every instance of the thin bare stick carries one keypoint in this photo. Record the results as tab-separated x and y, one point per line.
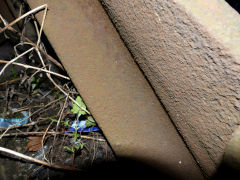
31	77
21	43
36	68
33	44
68	133
59	120
60	117
20	10
14	59
43	138
10	81
25	108
43	21
3	20
28	158
36	25
23	16
49	92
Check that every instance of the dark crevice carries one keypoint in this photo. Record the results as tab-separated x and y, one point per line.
235	4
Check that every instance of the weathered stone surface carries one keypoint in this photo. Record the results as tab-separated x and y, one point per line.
114	89
189	51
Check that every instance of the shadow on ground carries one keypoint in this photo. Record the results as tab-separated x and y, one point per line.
122	168
225	171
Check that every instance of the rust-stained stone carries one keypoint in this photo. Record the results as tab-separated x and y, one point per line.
114	89
189	50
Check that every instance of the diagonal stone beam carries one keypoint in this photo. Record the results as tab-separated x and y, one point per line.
189	50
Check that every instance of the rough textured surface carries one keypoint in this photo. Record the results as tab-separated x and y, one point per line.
114	89
189	51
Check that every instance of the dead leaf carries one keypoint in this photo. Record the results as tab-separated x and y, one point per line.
34	143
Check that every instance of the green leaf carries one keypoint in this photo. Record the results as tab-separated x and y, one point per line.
90	122
77	146
54	120
34	85
66	123
69	149
76	109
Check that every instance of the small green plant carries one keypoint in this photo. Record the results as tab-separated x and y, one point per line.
76	109
74	148
75	135
70	149
76	145
89	122
65	123
79	146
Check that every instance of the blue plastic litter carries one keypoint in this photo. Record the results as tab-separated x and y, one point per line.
6	122
81	126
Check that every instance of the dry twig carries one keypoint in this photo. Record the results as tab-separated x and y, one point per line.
67	133
50	58
28	158
23	16
14	59
36	68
